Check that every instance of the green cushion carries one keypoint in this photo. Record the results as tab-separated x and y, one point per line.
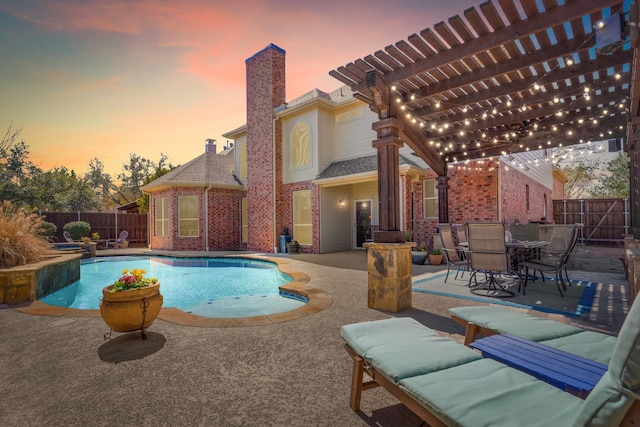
403	347
488	393
611	398
419	357
364	336
590	345
507	321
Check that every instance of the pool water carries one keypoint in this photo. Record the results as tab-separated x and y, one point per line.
210	287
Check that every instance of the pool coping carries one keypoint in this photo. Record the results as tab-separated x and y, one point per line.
317	300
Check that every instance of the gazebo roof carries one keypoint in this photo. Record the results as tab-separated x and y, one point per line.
504	78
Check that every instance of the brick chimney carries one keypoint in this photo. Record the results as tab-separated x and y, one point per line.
210	146
265	92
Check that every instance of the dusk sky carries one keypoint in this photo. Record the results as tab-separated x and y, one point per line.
96	78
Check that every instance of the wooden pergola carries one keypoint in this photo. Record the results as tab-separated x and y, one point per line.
507	76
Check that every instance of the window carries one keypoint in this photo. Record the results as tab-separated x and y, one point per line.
526	195
302	229
349	114
430	194
245	223
161	215
188	216
300	145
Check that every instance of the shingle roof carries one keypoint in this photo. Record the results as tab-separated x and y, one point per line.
207	169
359	165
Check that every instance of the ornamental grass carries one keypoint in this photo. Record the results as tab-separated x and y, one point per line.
20	240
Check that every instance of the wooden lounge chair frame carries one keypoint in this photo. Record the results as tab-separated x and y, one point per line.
358	385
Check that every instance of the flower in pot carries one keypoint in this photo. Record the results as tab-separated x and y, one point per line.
435	257
132	302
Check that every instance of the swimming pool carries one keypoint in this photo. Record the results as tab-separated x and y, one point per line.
209	287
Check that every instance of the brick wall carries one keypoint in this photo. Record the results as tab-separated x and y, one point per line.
423	228
265	92
225	219
514	203
473	192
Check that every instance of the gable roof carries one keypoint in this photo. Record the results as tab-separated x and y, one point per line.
207	169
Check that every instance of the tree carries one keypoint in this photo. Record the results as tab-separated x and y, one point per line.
102	183
614	182
580	181
134	175
143	201
15	168
59	189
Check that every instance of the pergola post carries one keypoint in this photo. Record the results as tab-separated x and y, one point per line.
388	145
443	199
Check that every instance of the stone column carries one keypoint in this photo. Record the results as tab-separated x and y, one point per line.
390	274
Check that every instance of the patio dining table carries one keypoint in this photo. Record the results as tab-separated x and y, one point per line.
519	250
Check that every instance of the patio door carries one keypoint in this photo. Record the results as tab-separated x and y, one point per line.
363	222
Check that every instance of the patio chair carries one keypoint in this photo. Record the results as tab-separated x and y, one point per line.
452	255
460	233
554	259
529	231
488	255
120	242
68	237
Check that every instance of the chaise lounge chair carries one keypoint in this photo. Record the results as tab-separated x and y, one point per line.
448	384
68	237
489	320
120	242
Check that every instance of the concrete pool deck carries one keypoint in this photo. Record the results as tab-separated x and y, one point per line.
59	370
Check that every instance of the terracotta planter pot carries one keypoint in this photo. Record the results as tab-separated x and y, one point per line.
435	259
131	310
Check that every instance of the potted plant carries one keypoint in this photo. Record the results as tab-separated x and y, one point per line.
419	255
435	257
132	302
293	247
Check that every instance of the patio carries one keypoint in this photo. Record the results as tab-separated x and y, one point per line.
290	373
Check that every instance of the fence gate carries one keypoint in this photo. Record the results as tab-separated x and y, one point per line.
606	221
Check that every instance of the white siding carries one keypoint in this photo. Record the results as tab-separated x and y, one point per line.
353	137
533	165
335	219
325	140
240	144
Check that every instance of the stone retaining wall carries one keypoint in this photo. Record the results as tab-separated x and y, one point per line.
34	281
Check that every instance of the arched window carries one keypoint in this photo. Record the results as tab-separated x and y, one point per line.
300	145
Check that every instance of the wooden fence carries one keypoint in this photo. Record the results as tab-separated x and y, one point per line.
606	221
107	224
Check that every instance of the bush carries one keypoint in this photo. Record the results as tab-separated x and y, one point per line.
77	229
20	240
47	230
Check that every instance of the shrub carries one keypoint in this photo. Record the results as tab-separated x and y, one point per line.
20	240
47	230
77	229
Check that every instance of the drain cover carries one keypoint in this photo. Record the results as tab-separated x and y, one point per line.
64	322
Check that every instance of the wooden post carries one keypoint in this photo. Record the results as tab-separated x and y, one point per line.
388	145
443	199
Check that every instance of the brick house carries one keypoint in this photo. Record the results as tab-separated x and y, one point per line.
308	165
